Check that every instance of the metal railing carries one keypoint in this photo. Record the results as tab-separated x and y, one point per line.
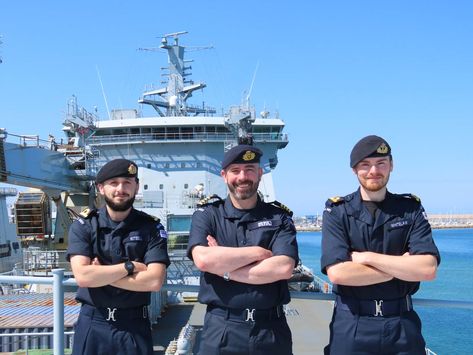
187	136
58	282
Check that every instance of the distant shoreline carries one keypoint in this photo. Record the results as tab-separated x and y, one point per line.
318	229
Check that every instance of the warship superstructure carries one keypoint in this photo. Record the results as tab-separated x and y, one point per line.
178	150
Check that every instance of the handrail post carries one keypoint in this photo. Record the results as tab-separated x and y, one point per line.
58	304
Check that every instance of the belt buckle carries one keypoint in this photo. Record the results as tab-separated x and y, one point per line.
111	314
378	308
249	315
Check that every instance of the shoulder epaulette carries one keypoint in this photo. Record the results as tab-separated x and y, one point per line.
151	217
208	200
283	207
336	200
86	213
412	196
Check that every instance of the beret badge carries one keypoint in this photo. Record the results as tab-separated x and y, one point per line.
249	155
132	169
382	149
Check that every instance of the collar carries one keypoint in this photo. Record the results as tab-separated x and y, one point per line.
106	222
356	208
231	212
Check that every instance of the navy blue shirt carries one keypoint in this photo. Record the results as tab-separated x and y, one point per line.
137	238
399	226
265	225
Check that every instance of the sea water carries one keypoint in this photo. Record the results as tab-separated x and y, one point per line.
446	330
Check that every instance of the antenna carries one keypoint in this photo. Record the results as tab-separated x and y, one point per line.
1	61
103	91
251	86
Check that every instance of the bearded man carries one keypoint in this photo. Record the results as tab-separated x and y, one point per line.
118	255
376	248
246	250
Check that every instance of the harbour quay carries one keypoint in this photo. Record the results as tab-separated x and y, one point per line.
313	223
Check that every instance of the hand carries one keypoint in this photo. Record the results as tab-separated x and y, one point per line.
95	261
359	257
139	266
212	241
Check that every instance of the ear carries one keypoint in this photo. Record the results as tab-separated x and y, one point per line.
223	174
100	188
392	166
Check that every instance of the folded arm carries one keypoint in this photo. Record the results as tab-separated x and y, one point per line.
92	274
405	267
217	259
150	279
275	268
349	273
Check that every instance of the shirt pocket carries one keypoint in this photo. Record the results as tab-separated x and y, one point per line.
135	246
262	233
397	236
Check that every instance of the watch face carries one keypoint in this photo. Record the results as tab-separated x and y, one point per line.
130	267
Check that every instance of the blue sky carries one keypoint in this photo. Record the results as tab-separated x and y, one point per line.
336	71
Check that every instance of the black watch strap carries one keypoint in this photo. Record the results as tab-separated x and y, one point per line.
129	267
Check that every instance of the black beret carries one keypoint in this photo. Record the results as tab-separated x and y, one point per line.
241	154
117	168
369	147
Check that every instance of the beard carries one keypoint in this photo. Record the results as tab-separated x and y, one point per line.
244	193
120	206
374	186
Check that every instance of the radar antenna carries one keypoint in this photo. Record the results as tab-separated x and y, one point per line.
173	97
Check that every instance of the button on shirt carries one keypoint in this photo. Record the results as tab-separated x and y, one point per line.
399	226
137	238
266	226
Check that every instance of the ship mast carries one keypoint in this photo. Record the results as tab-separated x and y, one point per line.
173	97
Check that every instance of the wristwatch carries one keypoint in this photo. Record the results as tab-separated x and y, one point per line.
129	267
226	276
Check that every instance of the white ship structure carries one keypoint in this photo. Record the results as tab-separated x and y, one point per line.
178	150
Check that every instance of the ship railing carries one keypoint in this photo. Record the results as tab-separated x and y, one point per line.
59	282
26	140
37	261
182	136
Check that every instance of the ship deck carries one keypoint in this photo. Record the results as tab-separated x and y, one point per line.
308	320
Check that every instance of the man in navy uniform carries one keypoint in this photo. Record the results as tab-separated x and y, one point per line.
376	248
118	255
247	250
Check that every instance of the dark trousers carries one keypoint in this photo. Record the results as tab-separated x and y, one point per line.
127	335
354	334
223	335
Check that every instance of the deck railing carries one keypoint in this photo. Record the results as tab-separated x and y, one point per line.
58	282
182	136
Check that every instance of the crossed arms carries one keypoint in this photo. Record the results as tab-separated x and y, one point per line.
90	273
368	268
252	265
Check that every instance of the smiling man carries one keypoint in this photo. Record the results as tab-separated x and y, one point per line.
246	249
118	255
376	248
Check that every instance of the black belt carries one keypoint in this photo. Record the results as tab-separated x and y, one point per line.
247	314
375	308
114	314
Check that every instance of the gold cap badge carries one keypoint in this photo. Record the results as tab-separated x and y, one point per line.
249	155
382	149
132	169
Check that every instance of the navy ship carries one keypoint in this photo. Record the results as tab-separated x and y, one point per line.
179	149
